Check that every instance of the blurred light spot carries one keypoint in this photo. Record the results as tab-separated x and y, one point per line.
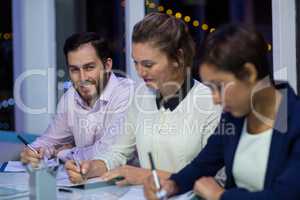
11	102
212	30
269	47
4	104
169	12
152	5
61	73
196	23
187	18
178	15
204	27
6	36
161	8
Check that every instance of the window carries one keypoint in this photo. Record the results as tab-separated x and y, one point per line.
204	16
6	67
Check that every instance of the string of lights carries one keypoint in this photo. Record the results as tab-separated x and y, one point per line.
7	103
186	18
179	15
6	36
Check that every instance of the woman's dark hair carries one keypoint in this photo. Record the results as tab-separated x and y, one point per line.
167	33
231	46
99	43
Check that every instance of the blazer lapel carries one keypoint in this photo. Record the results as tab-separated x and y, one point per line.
280	130
275	157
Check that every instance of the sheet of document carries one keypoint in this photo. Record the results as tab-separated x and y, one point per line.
14	166
137	193
186	196
17	166
62	180
134	193
65	182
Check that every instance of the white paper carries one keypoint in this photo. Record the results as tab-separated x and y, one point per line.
15	166
62	180
135	193
186	196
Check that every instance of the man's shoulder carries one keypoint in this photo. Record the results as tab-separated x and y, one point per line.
70	92
122	86
124	82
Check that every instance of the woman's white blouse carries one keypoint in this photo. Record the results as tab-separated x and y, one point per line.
174	137
251	159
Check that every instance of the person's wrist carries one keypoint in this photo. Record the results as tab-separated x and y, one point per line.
65	154
97	168
147	173
173	188
219	194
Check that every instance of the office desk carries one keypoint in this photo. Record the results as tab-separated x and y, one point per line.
20	181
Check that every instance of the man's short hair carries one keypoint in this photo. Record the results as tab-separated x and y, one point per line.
98	42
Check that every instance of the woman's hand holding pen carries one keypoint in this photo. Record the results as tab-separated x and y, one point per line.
28	156
87	169
150	191
77	174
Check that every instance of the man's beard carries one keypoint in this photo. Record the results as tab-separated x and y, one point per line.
99	85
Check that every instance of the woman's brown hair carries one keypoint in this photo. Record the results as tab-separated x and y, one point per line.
167	33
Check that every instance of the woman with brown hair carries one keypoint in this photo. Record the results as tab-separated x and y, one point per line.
171	114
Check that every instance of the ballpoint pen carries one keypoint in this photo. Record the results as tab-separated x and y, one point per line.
161	194
65	190
45	160
27	144
77	163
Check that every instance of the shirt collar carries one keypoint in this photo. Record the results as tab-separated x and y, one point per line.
172	102
105	94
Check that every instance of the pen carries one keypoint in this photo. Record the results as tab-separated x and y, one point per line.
161	194
26	143
77	163
65	190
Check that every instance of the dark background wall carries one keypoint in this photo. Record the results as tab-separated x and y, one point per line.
6	67
298	42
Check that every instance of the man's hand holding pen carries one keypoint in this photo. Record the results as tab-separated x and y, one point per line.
28	156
